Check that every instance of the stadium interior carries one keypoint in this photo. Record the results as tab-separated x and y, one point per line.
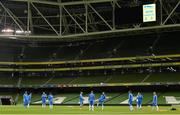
70	46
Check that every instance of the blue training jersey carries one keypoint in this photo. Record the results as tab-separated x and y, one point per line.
91	97
102	98
130	97
81	98
44	96
155	99
139	98
50	98
25	98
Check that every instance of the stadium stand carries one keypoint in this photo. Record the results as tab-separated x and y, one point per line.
131	78
7	79
97	79
114	47
164	77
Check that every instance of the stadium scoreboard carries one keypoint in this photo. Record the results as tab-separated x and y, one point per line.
149	12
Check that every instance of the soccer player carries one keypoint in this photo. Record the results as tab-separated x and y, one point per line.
130	100
43	97
91	101
101	100
81	99
139	100
25	99
50	99
29	99
155	101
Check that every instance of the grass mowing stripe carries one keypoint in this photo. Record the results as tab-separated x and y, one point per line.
75	110
89	114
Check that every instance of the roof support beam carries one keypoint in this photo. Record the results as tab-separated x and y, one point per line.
100	16
13	18
73	19
44	18
60	19
90	34
171	13
29	19
64	3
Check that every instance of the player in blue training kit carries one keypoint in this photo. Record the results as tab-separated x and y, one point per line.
91	101
81	100
29	99
50	99
101	100
155	101
43	97
25	99
139	100
130	100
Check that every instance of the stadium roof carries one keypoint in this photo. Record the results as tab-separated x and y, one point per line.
79	19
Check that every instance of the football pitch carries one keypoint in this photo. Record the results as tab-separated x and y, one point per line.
70	110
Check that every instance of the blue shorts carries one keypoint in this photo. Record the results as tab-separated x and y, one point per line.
130	102
154	104
50	103
139	102
91	103
101	101
25	103
43	102
81	102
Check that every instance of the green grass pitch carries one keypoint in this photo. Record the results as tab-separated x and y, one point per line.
70	110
